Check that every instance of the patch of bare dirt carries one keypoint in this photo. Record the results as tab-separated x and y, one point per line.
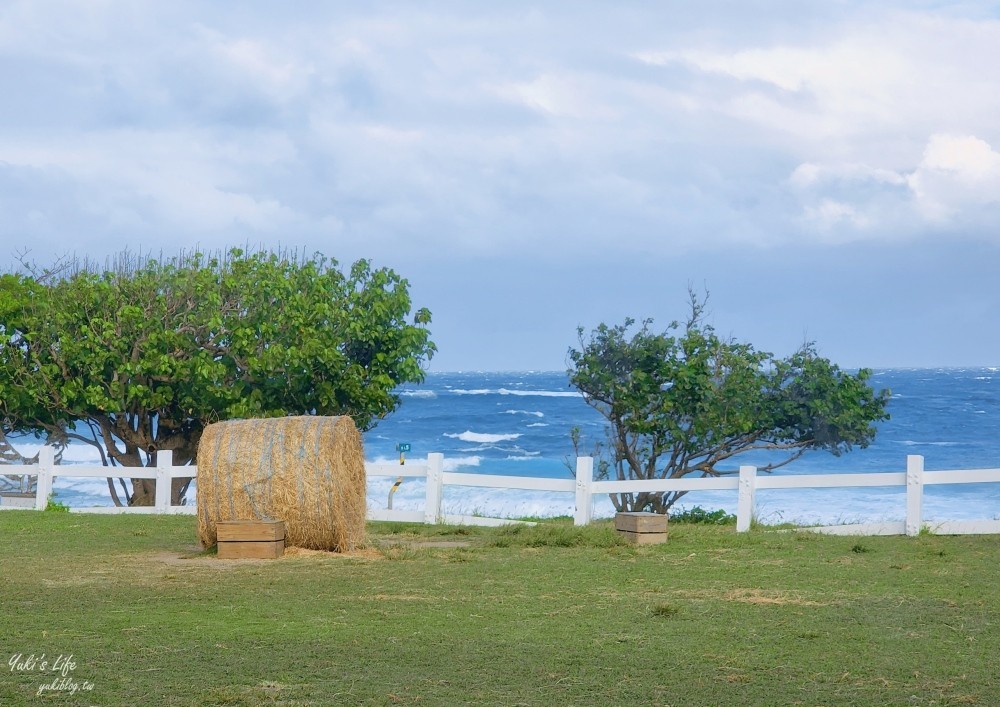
174	559
752	596
440	544
368	553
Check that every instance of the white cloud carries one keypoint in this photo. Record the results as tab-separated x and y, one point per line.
500	129
579	138
868	91
810	174
957	173
846	67
829	214
256	61
191	183
561	96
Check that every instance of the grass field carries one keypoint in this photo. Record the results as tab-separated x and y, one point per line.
550	615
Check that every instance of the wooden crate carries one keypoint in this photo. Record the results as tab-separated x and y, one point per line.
642	528
251	539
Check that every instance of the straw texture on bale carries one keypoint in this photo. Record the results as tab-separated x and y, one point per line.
308	471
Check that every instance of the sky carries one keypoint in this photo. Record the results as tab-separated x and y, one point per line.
826	171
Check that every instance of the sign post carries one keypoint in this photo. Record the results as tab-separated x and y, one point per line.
402	448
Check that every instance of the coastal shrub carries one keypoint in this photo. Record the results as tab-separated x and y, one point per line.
56	506
686	401
700	515
145	353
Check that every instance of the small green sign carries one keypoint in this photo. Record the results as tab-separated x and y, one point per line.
403	447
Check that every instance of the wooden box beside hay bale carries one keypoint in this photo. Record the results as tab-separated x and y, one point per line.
250	539
307	471
642	528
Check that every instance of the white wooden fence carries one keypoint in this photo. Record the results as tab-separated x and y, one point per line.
914	479
46	470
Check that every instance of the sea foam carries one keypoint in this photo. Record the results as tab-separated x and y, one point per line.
482	437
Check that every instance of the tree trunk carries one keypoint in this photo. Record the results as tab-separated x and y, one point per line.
178	491
143	492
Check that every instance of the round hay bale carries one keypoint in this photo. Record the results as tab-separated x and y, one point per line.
307	471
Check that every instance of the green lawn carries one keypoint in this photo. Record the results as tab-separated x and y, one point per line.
550	615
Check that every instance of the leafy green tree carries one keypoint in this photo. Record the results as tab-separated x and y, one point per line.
140	356
685	401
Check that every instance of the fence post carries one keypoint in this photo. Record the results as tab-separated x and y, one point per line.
584	500
432	506
914	493
46	467
164	482
745	500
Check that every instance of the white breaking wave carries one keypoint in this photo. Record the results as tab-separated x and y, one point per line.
538	424
417	394
482	437
534	413
456	463
914	443
521	393
541	393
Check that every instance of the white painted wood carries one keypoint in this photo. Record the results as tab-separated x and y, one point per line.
914	493
914	479
100	471
435	481
399	516
745	498
482	522
19	470
962	476
404	470
584	491
184	472
965	527
46	467
138	510
164	461
451	478
724	483
887	528
806	481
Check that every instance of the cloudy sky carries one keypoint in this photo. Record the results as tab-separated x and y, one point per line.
829	171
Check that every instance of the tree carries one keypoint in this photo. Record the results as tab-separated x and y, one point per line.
139	357
9	454
685	401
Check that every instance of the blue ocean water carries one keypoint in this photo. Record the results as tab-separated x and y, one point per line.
519	424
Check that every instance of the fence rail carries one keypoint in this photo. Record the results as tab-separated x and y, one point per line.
584	487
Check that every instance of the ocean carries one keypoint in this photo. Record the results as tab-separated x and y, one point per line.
519	423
